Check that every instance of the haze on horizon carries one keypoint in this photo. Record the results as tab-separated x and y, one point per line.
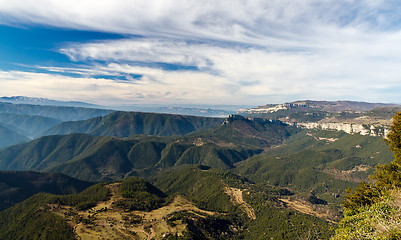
201	52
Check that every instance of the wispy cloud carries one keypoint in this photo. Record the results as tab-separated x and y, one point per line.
241	51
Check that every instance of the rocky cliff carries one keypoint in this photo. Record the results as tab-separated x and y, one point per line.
351	128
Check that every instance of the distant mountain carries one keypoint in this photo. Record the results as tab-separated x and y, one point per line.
191	111
30	126
9	137
124	124
15	186
309	105
45	101
352	117
56	112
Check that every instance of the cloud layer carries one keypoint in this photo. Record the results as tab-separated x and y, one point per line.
242	52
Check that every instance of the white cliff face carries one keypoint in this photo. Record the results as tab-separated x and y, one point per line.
264	110
350	128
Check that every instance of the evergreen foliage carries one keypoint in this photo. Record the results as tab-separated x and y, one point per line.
30	220
86	199
125	124
309	163
106	158
273	222
203	187
140	195
371	208
18	186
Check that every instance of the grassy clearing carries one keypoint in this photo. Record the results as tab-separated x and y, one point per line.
105	221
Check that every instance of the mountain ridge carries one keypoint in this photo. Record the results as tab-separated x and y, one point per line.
124	124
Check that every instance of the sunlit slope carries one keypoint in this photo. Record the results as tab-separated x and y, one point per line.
322	162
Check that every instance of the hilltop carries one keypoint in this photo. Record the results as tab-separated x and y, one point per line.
209	205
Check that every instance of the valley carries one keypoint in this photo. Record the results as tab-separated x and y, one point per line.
280	172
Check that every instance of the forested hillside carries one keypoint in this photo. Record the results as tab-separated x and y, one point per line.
373	210
16	186
208	205
125	124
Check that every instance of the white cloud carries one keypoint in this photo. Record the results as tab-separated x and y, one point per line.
257	21
245	51
362	67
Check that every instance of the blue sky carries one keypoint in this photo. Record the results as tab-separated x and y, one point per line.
201	52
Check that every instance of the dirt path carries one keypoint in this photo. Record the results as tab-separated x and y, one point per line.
236	197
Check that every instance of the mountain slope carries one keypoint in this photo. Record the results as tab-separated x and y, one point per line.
124	124
321	163
46	151
9	137
136	209
18	186
253	132
258	209
94	158
27	125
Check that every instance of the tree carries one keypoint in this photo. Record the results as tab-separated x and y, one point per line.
386	177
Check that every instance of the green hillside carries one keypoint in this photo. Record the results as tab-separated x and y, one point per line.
104	158
125	124
261	214
46	151
9	137
252	132
18	186
321	163
219	208
118	158
373	210
27	125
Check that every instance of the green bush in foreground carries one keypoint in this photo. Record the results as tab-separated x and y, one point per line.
380	220
373	210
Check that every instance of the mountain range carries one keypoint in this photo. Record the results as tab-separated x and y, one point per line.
242	177
46	102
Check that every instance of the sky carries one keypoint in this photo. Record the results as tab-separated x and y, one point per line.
245	52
